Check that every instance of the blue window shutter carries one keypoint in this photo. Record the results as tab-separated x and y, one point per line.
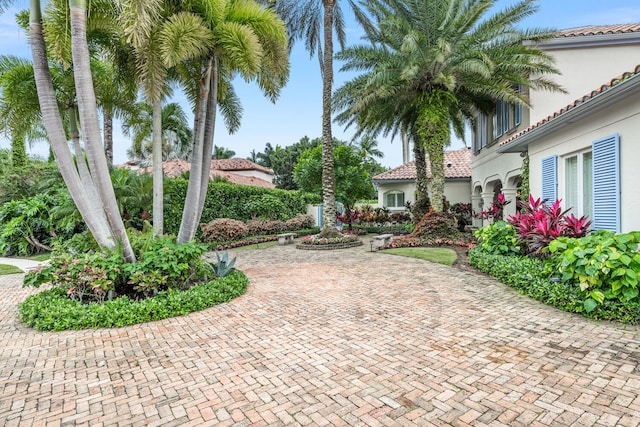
550	179
606	183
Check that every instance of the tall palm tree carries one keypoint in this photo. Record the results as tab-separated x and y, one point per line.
431	64
314	21
244	39
162	35
92	211
176	134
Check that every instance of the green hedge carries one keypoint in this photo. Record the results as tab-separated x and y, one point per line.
530	276
233	201
52	310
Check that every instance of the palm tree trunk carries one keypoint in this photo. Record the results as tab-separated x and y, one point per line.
422	180
190	212
328	174
91	129
158	175
83	169
90	212
107	119
209	130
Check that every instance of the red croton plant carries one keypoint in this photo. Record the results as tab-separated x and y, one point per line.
538	223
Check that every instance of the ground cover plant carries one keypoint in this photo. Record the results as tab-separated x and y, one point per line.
547	254
438	255
98	289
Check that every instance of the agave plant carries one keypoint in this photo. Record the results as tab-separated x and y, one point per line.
224	266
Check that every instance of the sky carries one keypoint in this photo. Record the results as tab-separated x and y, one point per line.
298	111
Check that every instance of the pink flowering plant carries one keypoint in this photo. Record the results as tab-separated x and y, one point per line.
538	224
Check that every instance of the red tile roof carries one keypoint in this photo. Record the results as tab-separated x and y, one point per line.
613	82
595	30
174	168
238	164
457	164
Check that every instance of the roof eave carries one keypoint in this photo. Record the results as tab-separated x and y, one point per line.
591	106
590	40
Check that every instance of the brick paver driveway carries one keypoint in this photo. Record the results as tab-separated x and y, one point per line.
330	338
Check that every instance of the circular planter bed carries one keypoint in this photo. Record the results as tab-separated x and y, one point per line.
317	243
330	246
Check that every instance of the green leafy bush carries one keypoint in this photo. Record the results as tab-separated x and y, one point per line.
28	226
95	276
531	276
604	265
498	238
52	310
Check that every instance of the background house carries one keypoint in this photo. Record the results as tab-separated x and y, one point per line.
587	57
235	171
398	186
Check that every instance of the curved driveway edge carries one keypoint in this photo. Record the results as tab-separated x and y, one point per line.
344	337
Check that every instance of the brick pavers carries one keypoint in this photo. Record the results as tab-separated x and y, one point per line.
329	338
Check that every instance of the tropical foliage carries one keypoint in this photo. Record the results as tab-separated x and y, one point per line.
429	65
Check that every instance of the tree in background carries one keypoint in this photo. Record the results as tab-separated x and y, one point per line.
220	153
353	183
176	133
315	21
284	159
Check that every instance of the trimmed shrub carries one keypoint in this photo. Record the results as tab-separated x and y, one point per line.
240	202
437	225
299	222
223	230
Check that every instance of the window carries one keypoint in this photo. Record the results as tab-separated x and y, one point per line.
394	199
579	184
507	117
481	134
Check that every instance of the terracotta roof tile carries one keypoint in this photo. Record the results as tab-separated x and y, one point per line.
175	168
613	82
594	30
238	164
457	165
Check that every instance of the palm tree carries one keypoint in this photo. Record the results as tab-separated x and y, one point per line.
149	27
222	153
176	134
19	109
431	64
93	211
246	39
314	21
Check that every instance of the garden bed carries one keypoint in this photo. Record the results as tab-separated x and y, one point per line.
330	246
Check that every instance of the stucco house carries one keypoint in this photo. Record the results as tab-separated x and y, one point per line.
572	139
398	186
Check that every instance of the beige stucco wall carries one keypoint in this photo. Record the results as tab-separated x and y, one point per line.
454	191
255	174
583	70
623	119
